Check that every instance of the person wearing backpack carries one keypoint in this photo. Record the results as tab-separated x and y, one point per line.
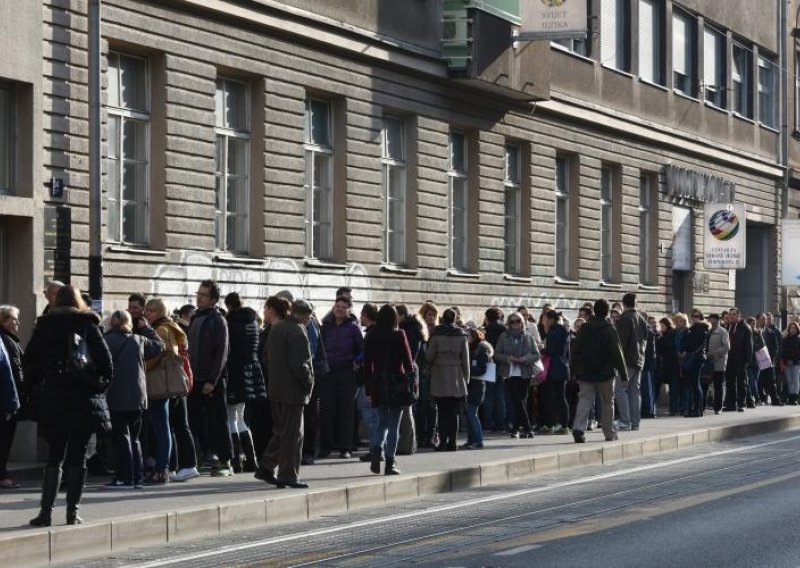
595	355
67	365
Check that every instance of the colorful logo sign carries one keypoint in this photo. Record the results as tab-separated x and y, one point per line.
553	3
724	225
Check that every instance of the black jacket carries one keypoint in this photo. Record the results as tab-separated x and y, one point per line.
741	336
208	347
697	340
65	405
11	343
245	377
596	353
413	329
790	349
772	339
493	332
666	357
555	345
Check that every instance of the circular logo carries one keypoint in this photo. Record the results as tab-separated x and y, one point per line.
724	225
554	3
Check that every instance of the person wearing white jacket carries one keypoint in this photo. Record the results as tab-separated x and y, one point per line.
718	346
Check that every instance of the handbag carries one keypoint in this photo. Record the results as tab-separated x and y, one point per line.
540	376
80	366
490	376
398	389
167	379
763	360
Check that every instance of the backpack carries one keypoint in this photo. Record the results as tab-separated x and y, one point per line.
80	366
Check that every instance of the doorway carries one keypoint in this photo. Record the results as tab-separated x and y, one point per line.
753	293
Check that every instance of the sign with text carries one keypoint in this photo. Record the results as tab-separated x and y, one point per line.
552	19
790	247
724	240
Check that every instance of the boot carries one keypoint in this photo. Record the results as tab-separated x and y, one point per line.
375	461
236	460
76	480
246	441
50	483
390	468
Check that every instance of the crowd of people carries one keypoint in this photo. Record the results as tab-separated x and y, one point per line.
166	395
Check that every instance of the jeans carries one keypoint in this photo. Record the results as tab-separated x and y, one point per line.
388	430
183	450
692	391
474	430
7	430
125	428
649	394
518	390
372	419
793	378
337	394
158	416
753	386
494	405
628	397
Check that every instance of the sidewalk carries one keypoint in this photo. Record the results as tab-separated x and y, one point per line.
182	511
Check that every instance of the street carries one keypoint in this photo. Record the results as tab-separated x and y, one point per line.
721	505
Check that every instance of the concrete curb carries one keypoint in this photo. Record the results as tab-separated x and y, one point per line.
65	544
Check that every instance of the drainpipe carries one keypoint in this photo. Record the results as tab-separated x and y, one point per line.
783	150
95	165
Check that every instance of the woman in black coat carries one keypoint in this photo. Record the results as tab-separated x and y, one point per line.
553	390
667	363
71	408
692	358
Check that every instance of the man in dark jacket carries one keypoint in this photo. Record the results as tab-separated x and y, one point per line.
208	355
595	356
291	381
741	338
632	330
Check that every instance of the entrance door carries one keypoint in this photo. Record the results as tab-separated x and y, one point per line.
681	291
752	284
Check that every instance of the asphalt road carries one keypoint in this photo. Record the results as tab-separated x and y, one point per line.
735	505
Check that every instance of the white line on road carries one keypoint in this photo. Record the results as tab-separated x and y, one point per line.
222	551
519	550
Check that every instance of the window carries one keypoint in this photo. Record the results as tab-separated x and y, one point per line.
767	72
684	50
513	193
459	201
797	91
319	179
742	78
394	184
651	41
6	140
615	39
562	218
607	224
128	149
579	45
232	166
647	233
714	67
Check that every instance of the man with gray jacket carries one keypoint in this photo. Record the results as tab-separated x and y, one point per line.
718	346
632	330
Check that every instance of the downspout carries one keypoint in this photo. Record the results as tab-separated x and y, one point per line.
783	139
95	165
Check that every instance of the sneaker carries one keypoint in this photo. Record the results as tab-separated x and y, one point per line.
591	426
563	430
623	425
634	426
117	484
184	474
224	470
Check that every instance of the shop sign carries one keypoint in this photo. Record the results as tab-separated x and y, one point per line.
697	186
553	19
682	238
724	241
790	241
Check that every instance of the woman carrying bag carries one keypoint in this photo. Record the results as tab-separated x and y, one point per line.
515	355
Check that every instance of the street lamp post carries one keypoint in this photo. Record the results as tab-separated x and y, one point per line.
95	164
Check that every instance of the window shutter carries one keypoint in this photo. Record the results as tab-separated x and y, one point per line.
710	47
608	32
647	40
680	34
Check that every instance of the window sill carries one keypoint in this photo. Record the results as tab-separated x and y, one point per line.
614	285
688	97
618	71
567	51
768	128
402	270
712	106
651	84
648	287
325	264
743	117
455	273
227	259
561	281
121	249
516	278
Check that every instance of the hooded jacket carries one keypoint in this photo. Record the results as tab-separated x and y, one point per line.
344	343
448	356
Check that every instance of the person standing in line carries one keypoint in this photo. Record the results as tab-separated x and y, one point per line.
417	335
208	354
494	406
515	354
51	294
595	357
649	392
632	330
136	304
480	355
127	402
386	355
291	382
768	383
667	362
9	406
553	390
718	346
9	327
185	315
70	407
304	312
370	414
789	357
739	356
426	417
448	356
692	357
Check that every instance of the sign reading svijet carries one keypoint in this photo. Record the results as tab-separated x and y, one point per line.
724	240
552	19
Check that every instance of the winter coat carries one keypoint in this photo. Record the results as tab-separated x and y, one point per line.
790	350
494	330
741	339
14	352
555	345
245	379
718	346
667	357
632	330
772	339
416	340
650	350
289	361
127	391
66	405
208	347
695	342
516	344
596	352
479	356
448	356
385	354
343	343
9	395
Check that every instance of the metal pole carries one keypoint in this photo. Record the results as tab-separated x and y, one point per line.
95	165
783	102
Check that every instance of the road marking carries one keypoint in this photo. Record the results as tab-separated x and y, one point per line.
222	551
519	550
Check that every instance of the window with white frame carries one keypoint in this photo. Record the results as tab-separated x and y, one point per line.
512	210
459	201
615	37
797	91
652	45
232	165
684	53
742	79
319	179
394	185
646	228
714	67
607	223
6	140
562	189
579	45
767	73
128	160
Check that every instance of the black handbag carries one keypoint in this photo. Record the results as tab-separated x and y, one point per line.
80	366
398	389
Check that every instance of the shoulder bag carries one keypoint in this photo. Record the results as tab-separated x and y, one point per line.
168	379
398	389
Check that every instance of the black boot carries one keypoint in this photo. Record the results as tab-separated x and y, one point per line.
390	468
50	483
76	480
236	460
375	461
250	462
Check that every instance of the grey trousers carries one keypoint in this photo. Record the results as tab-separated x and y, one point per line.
408	434
586	397
629	397
285	449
